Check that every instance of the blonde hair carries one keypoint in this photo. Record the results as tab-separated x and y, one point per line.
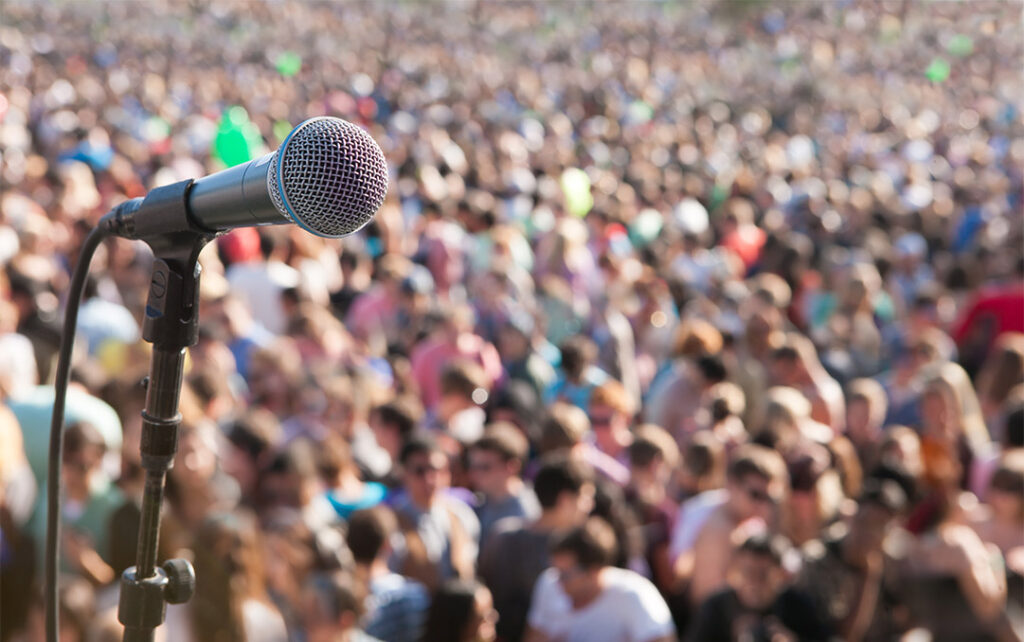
954	383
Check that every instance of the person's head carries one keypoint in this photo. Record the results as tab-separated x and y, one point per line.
425	470
901	448
866	406
1003	369
611	412
368	533
564	428
695	338
393	422
331	607
725	400
516	402
228	558
250	440
84	448
578	353
291	479
515	337
565	488
653	455
881	503
703	463
1013	426
784	366
496	458
949	408
756	573
334	460
1006	490
782	414
461	611
756	481
463	385
579	556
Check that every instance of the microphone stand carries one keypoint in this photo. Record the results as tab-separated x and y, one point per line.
171	325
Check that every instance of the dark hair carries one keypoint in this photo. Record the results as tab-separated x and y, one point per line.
401	413
451	611
773	547
1014	424
559	474
255	433
505	440
577	352
463	378
80	435
1009	477
368	531
712	368
757	460
421	444
593	544
337	594
884	493
298	458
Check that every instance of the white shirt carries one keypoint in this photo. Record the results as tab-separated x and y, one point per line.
260	284
629	609
693	514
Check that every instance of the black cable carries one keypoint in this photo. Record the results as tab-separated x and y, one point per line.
60	389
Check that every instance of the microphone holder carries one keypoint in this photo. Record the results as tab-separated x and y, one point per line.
171	325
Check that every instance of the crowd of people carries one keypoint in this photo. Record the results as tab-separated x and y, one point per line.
680	321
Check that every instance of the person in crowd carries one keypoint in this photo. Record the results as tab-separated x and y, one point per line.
849	574
759	603
611	415
453	340
653	456
90	499
464	390
495	466
756	484
333	606
579	374
565	430
393	423
866	407
345	489
583	597
518	552
232	602
462	611
441	533
396	607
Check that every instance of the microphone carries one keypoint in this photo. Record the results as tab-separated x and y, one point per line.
329	177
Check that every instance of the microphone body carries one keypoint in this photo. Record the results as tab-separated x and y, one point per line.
328	177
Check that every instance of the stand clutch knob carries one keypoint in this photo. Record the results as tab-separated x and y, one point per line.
181	581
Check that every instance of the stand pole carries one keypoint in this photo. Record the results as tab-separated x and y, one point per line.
171	325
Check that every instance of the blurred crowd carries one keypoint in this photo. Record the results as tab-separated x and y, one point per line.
680	320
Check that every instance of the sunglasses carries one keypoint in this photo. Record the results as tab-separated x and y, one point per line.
421	471
760	496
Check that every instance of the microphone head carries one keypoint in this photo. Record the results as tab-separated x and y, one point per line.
329	177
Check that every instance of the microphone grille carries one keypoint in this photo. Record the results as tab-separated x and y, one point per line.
329	177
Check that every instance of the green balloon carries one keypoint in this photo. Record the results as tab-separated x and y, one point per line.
960	45
288	63
938	71
281	130
576	188
238	139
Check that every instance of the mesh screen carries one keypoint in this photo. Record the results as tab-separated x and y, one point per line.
334	176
